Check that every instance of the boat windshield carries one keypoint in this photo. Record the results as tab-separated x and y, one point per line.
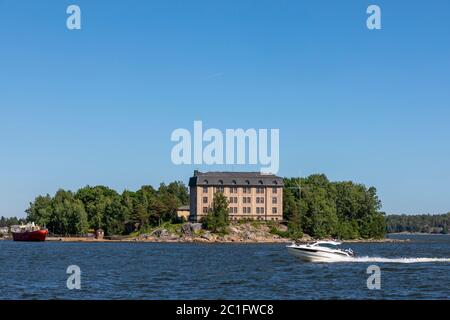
328	244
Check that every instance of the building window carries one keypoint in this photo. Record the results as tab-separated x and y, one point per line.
262	210
257	210
205	209
274	200
274	210
274	190
247	210
233	190
205	199
233	200
220	189
205	189
259	190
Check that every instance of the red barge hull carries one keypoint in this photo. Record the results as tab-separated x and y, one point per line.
38	235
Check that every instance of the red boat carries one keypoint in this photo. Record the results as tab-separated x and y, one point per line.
29	232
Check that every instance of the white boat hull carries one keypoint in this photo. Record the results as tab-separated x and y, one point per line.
317	256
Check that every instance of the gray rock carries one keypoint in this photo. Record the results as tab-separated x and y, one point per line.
186	229
192	227
160	233
196	227
247	235
206	235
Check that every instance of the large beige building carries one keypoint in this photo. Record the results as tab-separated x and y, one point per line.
251	195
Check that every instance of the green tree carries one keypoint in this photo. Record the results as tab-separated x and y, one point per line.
291	213
68	216
318	206
40	211
338	209
95	201
146	209
179	190
217	218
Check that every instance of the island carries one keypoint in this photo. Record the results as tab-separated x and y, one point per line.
312	208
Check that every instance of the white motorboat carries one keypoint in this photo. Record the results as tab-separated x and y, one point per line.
320	251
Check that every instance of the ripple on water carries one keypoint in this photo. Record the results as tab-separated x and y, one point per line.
195	271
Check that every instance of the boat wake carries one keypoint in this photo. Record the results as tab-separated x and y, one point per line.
391	260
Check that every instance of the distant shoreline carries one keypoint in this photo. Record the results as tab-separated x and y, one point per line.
197	241
418	233
218	241
243	233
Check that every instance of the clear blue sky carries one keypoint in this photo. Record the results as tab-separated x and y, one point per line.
98	105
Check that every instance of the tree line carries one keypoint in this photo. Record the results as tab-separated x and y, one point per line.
312	205
92	208
424	223
321	208
10	221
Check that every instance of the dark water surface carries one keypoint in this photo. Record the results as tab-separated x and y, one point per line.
222	271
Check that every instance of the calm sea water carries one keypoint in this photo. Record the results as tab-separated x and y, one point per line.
221	271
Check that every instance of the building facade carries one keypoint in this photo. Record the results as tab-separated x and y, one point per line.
251	195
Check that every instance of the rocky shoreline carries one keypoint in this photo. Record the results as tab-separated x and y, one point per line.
249	232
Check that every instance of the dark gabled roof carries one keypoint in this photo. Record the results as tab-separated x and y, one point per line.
250	179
